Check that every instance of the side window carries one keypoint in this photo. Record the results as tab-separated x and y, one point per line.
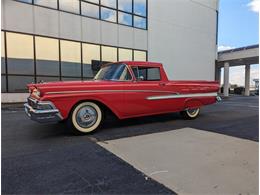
153	74
147	73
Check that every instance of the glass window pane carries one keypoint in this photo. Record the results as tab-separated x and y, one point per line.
90	10
20	53
139	55
124	18
69	5
108	14
70	79
125	54
2	52
19	83
70	58
139	22
47	56
46	3
109	54
109	3
91	56
93	1
26	1
125	5
3	84
87	79
140	7
153	74
47	79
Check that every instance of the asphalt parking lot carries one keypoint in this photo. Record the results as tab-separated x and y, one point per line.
48	159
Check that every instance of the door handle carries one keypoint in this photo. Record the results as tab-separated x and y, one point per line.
162	84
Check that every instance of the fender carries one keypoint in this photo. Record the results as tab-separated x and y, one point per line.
192	103
66	103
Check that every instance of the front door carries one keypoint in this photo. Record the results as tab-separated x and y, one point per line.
139	94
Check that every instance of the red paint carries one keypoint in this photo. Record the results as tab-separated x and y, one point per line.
124	103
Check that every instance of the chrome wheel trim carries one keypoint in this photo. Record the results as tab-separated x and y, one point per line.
94	125
86	116
193	112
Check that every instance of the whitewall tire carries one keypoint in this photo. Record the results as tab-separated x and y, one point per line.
191	113
86	117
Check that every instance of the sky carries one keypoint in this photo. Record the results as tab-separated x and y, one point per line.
238	27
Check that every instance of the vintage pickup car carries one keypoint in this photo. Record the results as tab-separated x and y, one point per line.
128	89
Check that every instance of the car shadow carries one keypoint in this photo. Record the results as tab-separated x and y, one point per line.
115	128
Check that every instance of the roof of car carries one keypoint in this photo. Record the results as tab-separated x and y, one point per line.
141	63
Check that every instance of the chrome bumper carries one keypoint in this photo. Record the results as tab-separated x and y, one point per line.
42	111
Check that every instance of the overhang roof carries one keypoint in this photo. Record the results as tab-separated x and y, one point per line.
239	56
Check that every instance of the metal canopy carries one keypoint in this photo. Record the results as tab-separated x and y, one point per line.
239	56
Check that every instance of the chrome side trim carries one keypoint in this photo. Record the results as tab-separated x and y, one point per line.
112	91
174	96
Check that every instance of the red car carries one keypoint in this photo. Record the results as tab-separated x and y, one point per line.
128	89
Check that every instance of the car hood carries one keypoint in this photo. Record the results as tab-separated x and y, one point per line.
73	85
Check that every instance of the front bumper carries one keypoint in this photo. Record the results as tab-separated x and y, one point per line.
42	111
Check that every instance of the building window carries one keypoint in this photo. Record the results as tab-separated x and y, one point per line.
91	59
47	3
70	59
18	83
3	71
32	58
108	14
3	83
125	5
70	79
20	54
140	7
125	54
92	1
47	79
90	10
139	22
124	18
47	56
69	6
109	54
26	1
129	12
3	63
109	3
139	55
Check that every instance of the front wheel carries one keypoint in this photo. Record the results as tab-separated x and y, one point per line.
85	118
190	113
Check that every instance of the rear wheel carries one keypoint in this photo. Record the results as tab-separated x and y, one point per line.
85	118
190	113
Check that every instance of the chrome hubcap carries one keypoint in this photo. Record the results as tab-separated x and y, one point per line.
192	111
86	116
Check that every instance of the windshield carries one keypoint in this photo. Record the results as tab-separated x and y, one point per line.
113	72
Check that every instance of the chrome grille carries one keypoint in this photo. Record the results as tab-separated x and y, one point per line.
32	103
